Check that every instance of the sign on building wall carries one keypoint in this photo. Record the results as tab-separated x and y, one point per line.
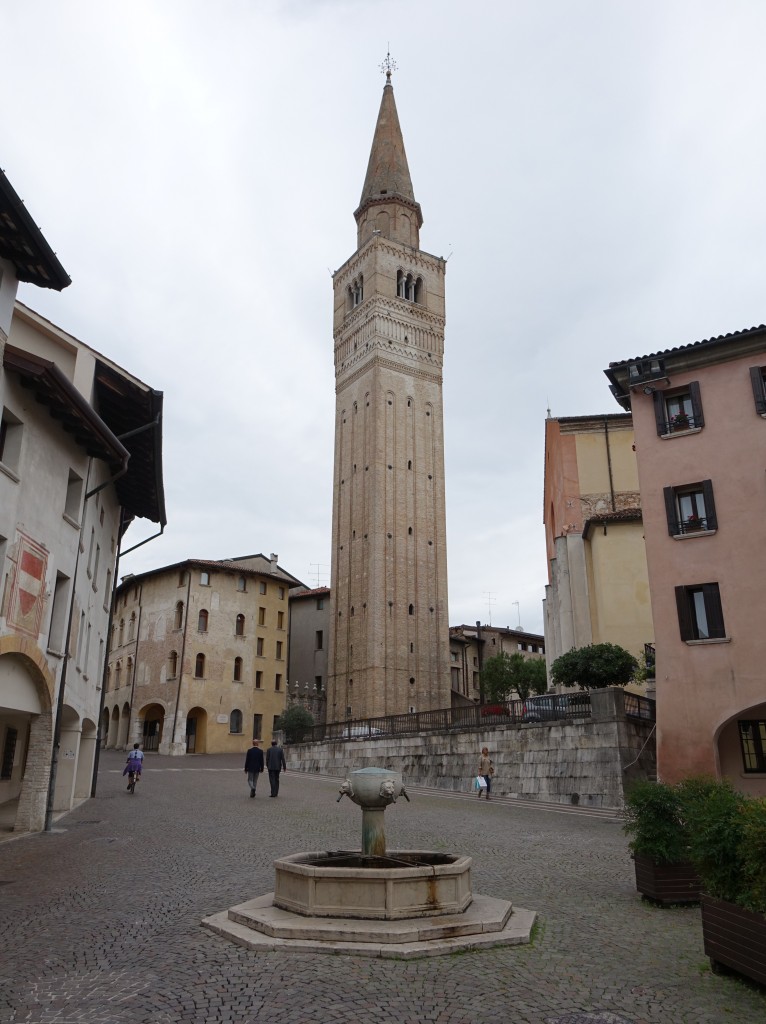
27	592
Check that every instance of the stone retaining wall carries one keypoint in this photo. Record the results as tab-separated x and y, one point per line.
583	761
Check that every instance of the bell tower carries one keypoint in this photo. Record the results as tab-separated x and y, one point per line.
389	634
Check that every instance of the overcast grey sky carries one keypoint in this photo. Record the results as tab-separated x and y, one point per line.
594	171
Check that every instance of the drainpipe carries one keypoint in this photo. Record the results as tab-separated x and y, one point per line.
183	655
609	463
135	658
62	682
105	666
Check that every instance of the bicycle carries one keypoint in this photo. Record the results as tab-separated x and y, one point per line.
133	777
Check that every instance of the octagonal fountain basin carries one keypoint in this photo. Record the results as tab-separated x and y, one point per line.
401	884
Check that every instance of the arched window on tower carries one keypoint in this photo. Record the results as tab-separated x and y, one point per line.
172	664
239	626
202	621
418	294
199	666
400	286
179	616
357	290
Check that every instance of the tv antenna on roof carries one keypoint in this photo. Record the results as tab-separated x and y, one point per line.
491	599
319	572
519	627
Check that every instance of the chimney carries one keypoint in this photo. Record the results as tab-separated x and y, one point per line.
274	559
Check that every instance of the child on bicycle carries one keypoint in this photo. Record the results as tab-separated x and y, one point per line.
135	762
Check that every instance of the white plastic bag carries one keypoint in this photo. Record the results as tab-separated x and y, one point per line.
480	783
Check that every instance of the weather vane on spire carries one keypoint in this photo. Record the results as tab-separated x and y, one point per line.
388	66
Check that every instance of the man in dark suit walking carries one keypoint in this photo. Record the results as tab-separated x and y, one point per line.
253	766
275	763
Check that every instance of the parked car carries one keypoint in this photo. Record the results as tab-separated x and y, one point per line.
553	706
360	732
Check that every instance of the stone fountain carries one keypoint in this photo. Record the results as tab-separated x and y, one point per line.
402	903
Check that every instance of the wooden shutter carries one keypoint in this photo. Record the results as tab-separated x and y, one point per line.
759	391
713	609
694	394
670	510
685	622
707	495
660	414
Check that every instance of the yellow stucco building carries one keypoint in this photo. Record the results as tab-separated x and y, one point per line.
598	587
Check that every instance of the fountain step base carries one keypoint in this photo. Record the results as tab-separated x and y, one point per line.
259	925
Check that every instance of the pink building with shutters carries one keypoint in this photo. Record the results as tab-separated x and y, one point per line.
699	416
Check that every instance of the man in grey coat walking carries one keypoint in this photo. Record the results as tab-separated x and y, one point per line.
275	763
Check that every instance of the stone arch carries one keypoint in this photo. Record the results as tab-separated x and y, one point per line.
84	773
196	731
150	725
104	727
114	727
383	223
68	756
728	751
27	717
122	732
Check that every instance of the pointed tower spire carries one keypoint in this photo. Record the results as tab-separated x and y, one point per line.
388	204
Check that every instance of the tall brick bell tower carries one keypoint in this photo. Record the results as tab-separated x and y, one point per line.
389	635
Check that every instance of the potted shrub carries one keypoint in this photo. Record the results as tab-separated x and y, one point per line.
727	842
655	818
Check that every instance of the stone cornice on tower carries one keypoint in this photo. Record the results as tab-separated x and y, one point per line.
418	373
415	258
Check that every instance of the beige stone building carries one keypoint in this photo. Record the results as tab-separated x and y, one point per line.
198	656
598	586
307	655
471	646
68	488
389	632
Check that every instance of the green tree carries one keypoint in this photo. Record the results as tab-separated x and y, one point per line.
294	721
505	674
594	667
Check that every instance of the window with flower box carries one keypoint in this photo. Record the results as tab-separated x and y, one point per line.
678	411
690	509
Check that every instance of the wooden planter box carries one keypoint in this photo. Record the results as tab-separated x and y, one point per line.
666	883
735	938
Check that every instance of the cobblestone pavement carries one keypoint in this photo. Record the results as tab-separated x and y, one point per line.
100	919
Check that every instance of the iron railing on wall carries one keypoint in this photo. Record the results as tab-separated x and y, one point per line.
637	706
546	707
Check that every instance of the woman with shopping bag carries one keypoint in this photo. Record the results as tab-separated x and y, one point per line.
485	773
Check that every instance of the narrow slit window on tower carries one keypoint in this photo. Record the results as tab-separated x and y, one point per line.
412	609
